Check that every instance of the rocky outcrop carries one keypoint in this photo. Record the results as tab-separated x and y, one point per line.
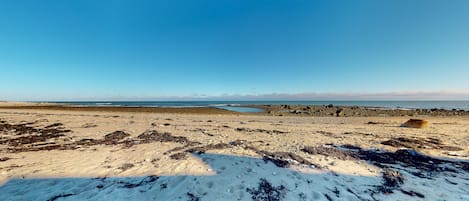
415	123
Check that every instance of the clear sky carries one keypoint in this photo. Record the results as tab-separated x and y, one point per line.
90	49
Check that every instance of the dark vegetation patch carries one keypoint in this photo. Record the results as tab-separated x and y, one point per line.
203	149
422	166
330	151
258	130
197	150
267	192
126	166
60	196
190	144
54	125
280	159
203	131
413	193
238	142
4	159
403	157
357	133
192	197
375	122
145	181
34	138
115	137
179	156
419	143
89	125
328	197
392	181
326	133
336	191
25	138
155	136
284	159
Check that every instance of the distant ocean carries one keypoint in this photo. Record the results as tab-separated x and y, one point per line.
459	105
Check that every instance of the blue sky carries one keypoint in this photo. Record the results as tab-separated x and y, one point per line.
56	50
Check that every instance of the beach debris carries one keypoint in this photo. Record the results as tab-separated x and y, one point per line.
302	196
374	122
331	152
249	130
115	137
54	138
265	191
126	166
179	156
205	148
412	193
28	134
89	125
415	123
279	159
328	197
60	196
425	166
54	125
419	143
192	197
145	181
196	150
392	181
4	159
284	159
155	136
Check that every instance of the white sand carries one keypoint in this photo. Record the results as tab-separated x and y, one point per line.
223	174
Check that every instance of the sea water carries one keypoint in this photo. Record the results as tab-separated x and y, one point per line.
239	106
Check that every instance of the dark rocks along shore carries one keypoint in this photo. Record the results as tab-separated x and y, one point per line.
354	111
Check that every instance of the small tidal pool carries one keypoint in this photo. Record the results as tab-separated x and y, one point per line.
241	109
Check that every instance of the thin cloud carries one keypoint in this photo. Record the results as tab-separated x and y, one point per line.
407	95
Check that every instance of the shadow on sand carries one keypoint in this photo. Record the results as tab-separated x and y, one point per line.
245	178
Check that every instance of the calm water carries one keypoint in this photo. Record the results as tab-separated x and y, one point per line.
234	105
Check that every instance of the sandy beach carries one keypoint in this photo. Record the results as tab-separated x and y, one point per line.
103	153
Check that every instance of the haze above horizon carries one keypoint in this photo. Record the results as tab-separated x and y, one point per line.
227	49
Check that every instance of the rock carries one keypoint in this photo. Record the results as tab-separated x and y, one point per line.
339	112
126	166
415	123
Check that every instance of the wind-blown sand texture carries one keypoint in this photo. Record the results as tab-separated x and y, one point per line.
115	155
